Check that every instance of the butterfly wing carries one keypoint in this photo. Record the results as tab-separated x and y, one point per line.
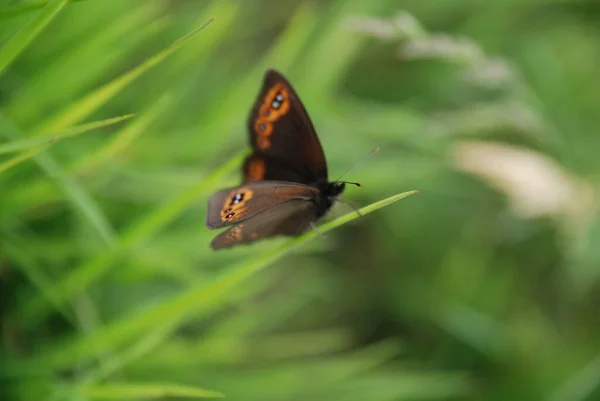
234	205
284	141
290	218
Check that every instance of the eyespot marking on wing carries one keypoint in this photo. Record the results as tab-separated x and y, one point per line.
234	207
276	103
255	170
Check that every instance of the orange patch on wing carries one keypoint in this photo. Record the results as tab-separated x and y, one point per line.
275	105
236	232
234	207
263	130
263	143
256	170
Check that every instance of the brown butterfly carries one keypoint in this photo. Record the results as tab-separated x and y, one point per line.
285	187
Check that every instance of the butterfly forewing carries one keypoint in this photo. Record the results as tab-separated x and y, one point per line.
285	186
237	204
284	142
262	167
289	218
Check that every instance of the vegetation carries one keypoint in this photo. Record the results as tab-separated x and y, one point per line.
118	119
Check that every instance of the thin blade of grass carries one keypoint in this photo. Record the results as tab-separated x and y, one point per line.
10	163
80	110
100	51
337	42
582	385
199	55
201	298
83	275
31	269
123	139
128	391
119	142
25	144
19	42
142	347
16	10
91	102
283	54
82	202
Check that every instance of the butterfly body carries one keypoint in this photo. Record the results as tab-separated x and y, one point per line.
328	194
285	187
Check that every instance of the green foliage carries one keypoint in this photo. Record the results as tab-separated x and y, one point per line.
11	48
482	287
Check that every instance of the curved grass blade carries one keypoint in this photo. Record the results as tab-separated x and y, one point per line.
336	43
30	268
100	51
16	10
142	347
201	298
128	391
81	276
122	139
26	144
283	53
91	102
80	110
581	385
296	34
269	257
119	142
19	42
82	202
10	163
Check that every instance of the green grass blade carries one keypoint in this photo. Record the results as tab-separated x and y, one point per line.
81	201
124	138
199	55
128	391
27	34
10	163
119	142
26	144
144	346
100	52
83	275
282	54
91	102
201	298
16	10
582	385
31	269
337	42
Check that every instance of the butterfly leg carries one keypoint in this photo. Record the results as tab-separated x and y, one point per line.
352	205
314	226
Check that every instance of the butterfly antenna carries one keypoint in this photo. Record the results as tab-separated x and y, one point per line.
365	157
353	183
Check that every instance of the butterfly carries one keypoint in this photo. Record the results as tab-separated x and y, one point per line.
285	187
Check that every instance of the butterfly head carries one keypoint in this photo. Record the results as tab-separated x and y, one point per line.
334	189
329	193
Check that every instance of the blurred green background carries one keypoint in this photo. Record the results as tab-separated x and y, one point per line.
482	287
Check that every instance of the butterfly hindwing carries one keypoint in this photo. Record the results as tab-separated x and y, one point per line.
284	142
234	205
290	218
